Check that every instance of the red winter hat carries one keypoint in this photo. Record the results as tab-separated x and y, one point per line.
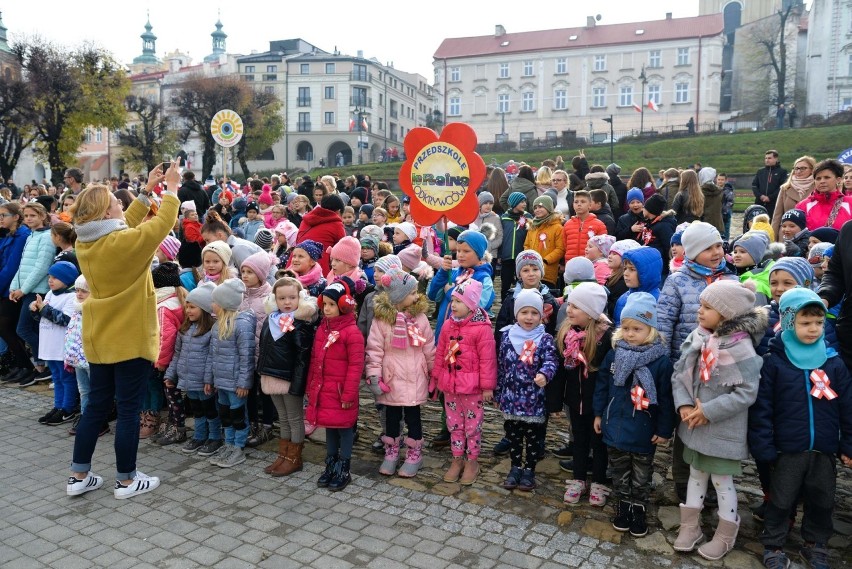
347	250
228	195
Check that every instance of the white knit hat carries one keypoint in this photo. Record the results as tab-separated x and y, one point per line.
698	237
590	298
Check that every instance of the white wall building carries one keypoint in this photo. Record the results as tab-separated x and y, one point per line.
829	66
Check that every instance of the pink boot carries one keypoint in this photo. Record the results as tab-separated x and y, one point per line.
388	467
413	458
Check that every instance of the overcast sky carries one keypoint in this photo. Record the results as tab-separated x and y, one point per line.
404	32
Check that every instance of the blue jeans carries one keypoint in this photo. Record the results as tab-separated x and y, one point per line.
726	219
27	328
64	386
122	382
338	442
205	428
84	385
234	436
154	398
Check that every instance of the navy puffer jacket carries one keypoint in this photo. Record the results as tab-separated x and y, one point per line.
787	419
624	427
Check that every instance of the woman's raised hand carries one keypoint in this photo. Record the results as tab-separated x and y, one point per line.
173	176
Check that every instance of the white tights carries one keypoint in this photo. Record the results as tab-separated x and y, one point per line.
696	490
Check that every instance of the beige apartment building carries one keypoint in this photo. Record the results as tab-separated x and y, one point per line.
649	76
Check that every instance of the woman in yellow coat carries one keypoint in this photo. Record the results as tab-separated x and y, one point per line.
544	235
120	327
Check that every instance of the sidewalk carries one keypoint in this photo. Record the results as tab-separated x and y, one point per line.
205	516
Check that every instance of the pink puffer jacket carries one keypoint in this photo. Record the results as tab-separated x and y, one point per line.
475	368
818	206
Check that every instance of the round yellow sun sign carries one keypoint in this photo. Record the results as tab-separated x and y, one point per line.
226	128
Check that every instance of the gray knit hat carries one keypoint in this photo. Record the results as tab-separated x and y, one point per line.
229	294
579	269
698	237
398	284
728	298
387	263
529	297
528	257
590	298
264	238
755	243
202	296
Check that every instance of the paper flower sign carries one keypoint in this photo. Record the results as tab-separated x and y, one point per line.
441	174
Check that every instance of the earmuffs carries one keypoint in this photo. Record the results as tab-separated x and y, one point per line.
346	303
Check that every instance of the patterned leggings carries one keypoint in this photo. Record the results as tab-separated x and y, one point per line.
520	432
464	421
177	410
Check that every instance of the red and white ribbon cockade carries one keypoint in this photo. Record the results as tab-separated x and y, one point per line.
708	362
777	327
821	385
417	339
543	238
286	324
528	352
453	350
332	338
637	396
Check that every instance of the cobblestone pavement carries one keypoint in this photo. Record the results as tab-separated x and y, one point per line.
210	517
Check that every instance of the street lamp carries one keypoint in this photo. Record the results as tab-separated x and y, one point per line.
644	81
360	112
611	135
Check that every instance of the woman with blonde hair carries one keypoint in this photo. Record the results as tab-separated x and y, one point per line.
689	202
799	186
543	179
114	250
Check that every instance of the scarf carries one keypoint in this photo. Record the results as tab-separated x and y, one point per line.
536	222
463	276
405	332
634	360
280	323
354	275
164	293
311	277
802	186
401	246
520	338
94	230
706	272
573	353
804	356
211	277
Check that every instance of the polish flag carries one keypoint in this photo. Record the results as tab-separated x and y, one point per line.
653	106
364	124
351	125
637	108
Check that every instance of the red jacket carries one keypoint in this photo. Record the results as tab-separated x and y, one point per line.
475	368
324	226
170	315
576	233
335	373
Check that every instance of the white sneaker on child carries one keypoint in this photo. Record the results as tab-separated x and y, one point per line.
90	482
141	484
574	490
598	494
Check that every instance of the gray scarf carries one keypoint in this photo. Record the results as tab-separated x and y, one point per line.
94	230
634	360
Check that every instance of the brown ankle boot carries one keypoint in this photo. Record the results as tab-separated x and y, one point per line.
282	452
455	470
471	472
292	460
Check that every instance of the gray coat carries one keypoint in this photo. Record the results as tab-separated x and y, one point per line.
230	365
731	390
190	360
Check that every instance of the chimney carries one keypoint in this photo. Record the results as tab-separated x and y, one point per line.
668	15
499	31
360	54
590	21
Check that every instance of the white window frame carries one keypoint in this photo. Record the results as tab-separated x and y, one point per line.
328	117
561	65
681	90
625	96
455	73
600	63
503	71
655	58
683	56
598	97
503	103
560	99
528	101
528	68
454	107
654	94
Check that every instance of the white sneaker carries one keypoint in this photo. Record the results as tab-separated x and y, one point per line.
235	457
221	454
76	487
140	485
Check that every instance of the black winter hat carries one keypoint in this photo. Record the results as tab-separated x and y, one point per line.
656	204
332	202
166	274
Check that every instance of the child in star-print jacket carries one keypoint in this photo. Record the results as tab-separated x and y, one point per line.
527	362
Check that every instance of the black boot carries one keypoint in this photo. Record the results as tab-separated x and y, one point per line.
341	477
623	516
325	477
639	526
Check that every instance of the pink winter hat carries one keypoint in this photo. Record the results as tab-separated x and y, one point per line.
170	247
260	263
410	257
289	230
469	293
347	250
265	195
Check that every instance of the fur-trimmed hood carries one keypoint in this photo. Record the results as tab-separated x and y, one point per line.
596	180
307	310
753	323
386	312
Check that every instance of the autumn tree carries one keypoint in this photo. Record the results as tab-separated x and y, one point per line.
149	138
69	90
263	126
16	134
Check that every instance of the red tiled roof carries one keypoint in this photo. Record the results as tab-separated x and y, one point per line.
151	75
613	34
99	162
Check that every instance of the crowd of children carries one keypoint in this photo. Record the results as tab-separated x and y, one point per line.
663	333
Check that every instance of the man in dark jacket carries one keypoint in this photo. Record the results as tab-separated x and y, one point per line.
767	181
613	171
191	190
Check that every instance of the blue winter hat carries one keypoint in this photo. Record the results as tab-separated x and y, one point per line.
475	240
64	271
798	267
240	204
642	307
676	238
515	198
635	194
312	248
829	252
797	216
803	356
